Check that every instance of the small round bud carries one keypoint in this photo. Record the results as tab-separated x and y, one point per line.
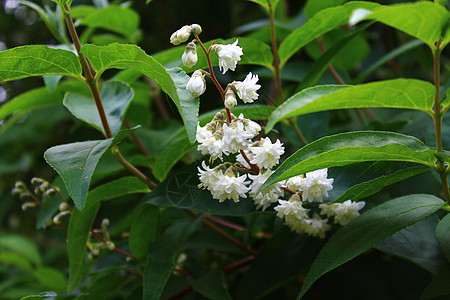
63	206
189	57
27	205
37	190
181	35
37	180
44	186
50	192
20	185
57	219
196	29
24	195
230	99
128	259
96	251
197	84
110	245
91	256
16	191
105	222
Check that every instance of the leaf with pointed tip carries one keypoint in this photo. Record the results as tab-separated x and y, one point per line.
35	60
312	7
163	255
443	235
397	93
116	97
423	20
144	230
369	229
181	190
76	163
172	81
80	222
353	147
319	24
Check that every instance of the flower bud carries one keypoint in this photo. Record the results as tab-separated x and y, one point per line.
110	245
20	185
27	205
16	191
189	57
37	180
196	29
128	259
50	192
196	85
91	256
230	99
57	219
105	222
96	251
63	206
181	35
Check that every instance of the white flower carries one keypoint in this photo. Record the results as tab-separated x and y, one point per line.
208	177
251	127
316	185
209	143
229	187
343	212
246	89
294	183
181	35
196	85
230	99
235	137
228	55
317	227
270	194
189	57
266	155
291	208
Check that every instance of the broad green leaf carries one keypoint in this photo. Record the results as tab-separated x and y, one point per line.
312	6
371	187
114	18
22	246
116	97
353	147
319	24
443	235
15	259
212	286
80	222
181	190
285	256
439	284
172	81
44	295
51	81
255	53
35	60
81	11
369	229
384	59
144	230
170	156
425	252
423	20
397	93
76	163
51	279
163	255
443	156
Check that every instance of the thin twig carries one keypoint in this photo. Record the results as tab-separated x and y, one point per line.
136	140
115	248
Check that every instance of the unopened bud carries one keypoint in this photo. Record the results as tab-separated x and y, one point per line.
24	195
37	190
27	205
197	84
196	29
57	219
37	180
44	186
63	206
91	256
295	197
105	222
50	192
189	57
16	191
110	245
230	99
96	251
181	35
128	259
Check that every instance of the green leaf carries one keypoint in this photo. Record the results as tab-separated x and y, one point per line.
212	286
181	190
163	255
285	256
319	24
12	258
144	230
169	158
312	6
36	60
443	156
397	93
44	295
76	163
439	284
50	278
369	229
423	20
51	204
62	2
353	147
371	187
51	81
443	235
425	252
116	97
22	246
114	18
80	222
172	81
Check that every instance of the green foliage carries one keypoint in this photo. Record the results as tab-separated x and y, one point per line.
368	230
144	230
443	235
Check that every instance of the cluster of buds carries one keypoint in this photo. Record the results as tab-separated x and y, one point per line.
96	248
228	135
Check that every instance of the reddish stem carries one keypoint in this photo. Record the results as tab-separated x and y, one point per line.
115	249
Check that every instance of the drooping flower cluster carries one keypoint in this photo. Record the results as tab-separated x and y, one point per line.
233	137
